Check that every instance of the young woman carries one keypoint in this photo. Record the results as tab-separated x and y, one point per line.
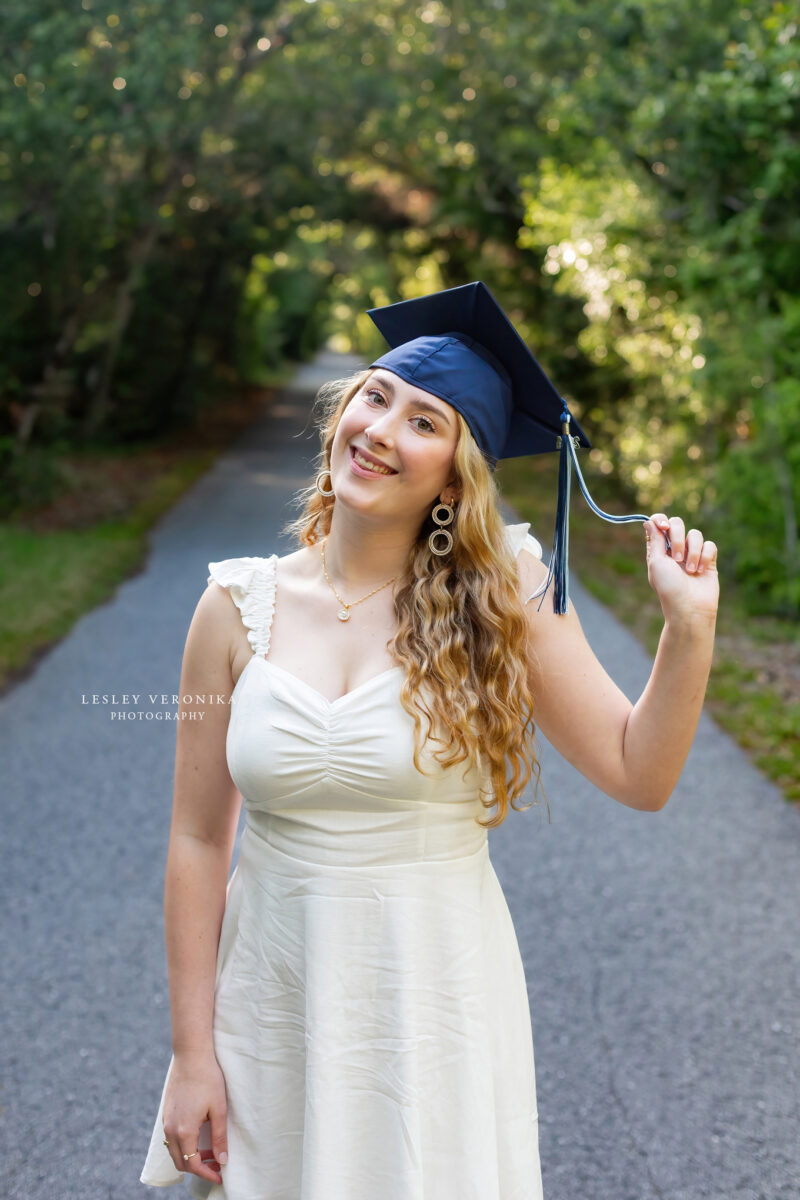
350	1018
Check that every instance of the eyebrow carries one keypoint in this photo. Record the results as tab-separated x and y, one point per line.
431	408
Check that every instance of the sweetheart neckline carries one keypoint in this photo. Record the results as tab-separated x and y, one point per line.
310	687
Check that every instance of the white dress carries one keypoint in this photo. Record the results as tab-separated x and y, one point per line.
371	1013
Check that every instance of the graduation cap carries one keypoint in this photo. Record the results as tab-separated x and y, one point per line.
459	345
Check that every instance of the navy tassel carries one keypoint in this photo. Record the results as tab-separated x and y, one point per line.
558	570
561	534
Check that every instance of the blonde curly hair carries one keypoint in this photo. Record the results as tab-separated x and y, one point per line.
462	632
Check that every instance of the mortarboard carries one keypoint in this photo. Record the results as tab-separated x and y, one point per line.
459	345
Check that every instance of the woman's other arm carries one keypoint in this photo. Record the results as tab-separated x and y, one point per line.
632	752
205	814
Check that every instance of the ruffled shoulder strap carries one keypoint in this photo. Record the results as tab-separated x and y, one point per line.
251	583
518	538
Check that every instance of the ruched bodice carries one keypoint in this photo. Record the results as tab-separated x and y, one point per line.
370	1009
319	793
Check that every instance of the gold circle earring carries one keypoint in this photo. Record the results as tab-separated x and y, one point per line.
440	532
318	483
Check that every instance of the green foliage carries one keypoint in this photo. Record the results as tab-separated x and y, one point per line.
27	477
191	192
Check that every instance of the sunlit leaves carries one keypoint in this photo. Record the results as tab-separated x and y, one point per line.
623	176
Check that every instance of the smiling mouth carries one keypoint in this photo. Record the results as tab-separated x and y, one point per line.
369	466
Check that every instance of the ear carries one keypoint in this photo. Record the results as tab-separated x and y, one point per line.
450	492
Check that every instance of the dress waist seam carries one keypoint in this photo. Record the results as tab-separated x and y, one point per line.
260	840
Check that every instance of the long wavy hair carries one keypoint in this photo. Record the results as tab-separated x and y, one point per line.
461	627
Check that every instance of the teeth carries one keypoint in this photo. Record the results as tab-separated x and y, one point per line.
363	462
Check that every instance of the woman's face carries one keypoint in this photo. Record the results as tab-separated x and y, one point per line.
408	431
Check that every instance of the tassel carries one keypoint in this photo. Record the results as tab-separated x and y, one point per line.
561	534
558	569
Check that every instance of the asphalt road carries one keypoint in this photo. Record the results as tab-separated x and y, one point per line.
661	949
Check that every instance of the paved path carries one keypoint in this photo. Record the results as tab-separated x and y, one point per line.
661	950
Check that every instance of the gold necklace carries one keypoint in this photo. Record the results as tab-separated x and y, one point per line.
344	612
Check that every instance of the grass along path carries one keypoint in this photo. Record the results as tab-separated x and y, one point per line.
62	559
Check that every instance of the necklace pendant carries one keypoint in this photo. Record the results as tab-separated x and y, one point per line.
343	614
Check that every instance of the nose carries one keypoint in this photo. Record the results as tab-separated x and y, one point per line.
380	430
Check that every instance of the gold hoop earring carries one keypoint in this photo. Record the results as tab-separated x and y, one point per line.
440	532
319	488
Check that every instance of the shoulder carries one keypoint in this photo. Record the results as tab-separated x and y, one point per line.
239	574
239	591
234	595
532	571
246	592
518	537
527	550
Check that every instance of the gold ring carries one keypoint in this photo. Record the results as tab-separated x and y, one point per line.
186	1157
166	1143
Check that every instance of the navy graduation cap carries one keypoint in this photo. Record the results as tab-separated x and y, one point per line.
459	345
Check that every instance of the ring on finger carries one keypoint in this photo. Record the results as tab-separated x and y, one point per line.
186	1157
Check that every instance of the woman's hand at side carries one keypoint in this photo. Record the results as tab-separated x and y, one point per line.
196	1094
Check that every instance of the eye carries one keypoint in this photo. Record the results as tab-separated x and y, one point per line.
428	427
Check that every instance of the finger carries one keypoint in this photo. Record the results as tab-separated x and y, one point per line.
219	1136
656	547
204	1168
677	536
661	521
694	547
210	1167
173	1147
708	557
203	1164
189	1152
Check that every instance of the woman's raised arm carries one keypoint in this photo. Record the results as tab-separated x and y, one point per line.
633	752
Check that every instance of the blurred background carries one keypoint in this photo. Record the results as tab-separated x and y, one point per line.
195	197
